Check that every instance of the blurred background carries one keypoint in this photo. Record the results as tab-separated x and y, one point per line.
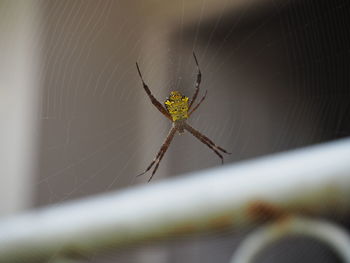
75	120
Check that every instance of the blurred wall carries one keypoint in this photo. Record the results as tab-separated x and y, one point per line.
95	112
19	91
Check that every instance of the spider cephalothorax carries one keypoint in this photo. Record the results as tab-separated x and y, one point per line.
178	110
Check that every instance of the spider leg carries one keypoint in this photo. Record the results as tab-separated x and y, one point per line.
154	101
161	153
157	164
198	82
196	107
148	168
204	139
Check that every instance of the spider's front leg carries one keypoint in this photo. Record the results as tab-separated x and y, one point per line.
161	153
204	139
154	101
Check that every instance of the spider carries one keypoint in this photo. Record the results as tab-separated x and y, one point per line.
178	109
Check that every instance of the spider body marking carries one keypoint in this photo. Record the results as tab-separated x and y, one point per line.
178	109
177	106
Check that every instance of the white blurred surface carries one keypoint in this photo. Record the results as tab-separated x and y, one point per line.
312	179
18	95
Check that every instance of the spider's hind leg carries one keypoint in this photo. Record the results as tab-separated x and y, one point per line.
154	101
200	102
198	82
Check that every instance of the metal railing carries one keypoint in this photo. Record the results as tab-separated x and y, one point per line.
329	234
313	181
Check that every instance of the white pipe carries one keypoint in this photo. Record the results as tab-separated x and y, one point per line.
329	234
314	180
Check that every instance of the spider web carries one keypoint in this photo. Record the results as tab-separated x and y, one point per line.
277	76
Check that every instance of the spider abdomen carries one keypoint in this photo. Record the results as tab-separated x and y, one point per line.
177	106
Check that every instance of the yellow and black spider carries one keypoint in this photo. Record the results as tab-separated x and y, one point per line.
178	110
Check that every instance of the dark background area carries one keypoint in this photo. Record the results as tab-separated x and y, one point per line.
288	66
285	69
